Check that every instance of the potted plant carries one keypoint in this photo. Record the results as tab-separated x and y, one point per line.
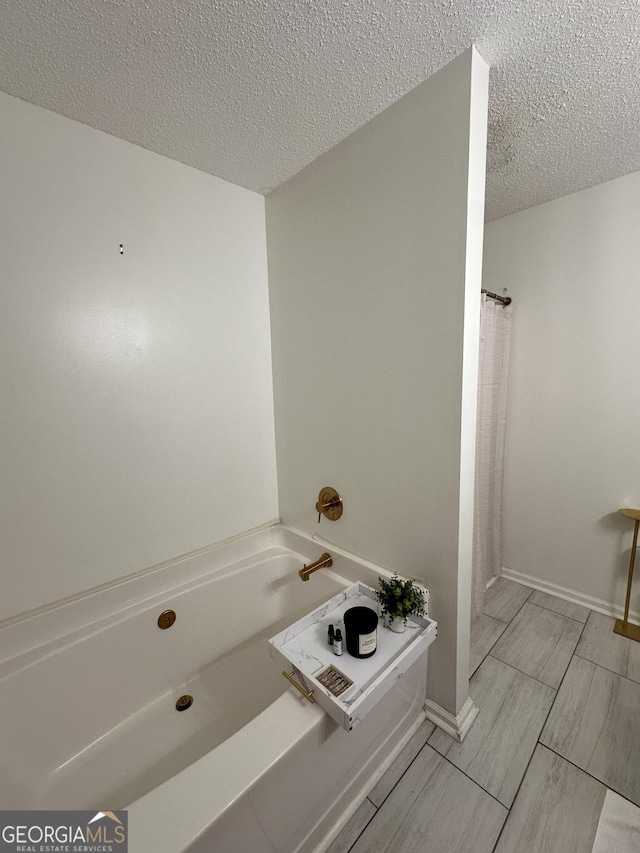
399	599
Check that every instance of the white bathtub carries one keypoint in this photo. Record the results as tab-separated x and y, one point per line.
88	691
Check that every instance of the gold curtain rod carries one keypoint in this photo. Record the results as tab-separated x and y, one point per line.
506	300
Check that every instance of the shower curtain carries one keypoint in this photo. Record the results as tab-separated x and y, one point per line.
495	334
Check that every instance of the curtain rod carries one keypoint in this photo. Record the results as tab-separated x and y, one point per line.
506	300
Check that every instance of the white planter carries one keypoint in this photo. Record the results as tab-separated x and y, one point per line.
396	625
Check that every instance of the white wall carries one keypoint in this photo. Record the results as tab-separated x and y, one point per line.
136	421
572	267
374	257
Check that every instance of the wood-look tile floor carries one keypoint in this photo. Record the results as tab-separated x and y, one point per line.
552	761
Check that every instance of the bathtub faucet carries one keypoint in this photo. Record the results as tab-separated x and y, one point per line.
323	563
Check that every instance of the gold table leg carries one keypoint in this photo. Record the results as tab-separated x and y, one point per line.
622	626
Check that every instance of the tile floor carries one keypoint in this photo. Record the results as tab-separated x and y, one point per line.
552	762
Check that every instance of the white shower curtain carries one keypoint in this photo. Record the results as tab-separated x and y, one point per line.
495	334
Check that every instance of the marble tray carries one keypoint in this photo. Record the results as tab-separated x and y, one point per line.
303	648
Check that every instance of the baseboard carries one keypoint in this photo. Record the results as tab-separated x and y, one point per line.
456	726
571	595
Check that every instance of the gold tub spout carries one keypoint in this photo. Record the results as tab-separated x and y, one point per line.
323	563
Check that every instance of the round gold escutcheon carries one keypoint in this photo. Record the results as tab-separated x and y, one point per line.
329	504
166	619
184	702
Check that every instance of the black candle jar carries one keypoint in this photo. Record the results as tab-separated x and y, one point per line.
360	625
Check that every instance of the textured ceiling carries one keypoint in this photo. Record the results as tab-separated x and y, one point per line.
254	90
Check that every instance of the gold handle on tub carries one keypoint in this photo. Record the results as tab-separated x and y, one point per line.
307	694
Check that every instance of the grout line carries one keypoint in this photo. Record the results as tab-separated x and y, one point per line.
570	657
477	784
524	775
555	692
526	674
506	625
403	772
493	849
355	840
564	758
517	611
590	775
488	652
501	621
551	610
561	683
612	671
377	808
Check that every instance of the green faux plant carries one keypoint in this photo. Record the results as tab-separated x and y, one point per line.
400	598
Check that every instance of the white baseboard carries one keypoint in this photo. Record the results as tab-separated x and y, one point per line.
458	726
572	595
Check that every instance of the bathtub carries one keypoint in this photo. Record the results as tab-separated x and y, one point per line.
88	692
